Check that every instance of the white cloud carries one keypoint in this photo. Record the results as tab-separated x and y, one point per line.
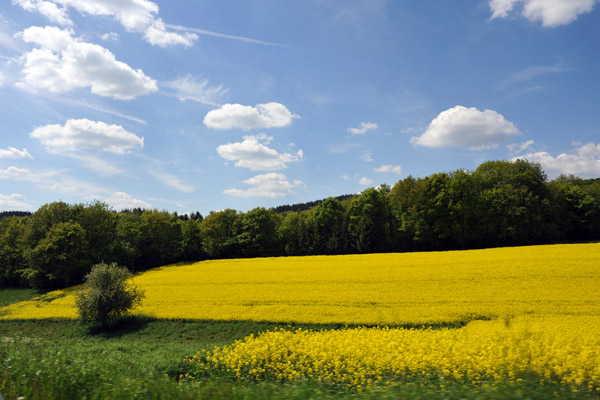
343	148
364	128
466	127
83	134
110	36
23	174
121	200
173	181
224	36
365	181
266	185
135	15
14	201
188	87
530	73
397	169
589	150
11	152
49	9
366	156
501	8
63	63
97	164
519	147
585	163
269	115
551	13
256	156
70	185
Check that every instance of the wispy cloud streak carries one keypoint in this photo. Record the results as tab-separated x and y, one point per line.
225	36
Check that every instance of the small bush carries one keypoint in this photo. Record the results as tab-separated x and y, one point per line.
107	296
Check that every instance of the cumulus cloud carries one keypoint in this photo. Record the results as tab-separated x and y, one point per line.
270	185
188	87
365	181
11	152
135	15
397	169
13	201
519	147
363	128
83	134
62	63
122	200
584	161
466	127
253	154
551	13
49	9
269	115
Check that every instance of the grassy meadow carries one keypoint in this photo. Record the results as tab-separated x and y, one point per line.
495	323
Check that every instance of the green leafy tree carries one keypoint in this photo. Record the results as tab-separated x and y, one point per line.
191	240
513	202
160	239
12	251
329	220
258	233
42	220
59	258
220	233
100	225
107	296
368	222
297	233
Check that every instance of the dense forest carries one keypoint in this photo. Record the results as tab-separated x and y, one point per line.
501	203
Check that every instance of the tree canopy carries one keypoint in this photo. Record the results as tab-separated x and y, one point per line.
500	203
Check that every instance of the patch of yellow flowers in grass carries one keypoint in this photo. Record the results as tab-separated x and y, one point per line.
376	289
555	349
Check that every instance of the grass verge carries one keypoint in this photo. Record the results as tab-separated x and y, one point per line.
57	359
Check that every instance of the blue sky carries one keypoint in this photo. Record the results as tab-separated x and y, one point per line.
205	105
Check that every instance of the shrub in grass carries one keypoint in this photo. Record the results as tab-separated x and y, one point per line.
107	296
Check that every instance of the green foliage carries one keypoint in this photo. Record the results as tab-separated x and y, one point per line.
258	235
220	231
329	220
500	203
297	233
99	224
191	240
59	359
368	219
12	251
107	296
59	259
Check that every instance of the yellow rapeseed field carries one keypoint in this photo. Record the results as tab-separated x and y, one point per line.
387	289
532	310
556	349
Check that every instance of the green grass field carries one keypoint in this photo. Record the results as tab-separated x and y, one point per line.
60	359
142	358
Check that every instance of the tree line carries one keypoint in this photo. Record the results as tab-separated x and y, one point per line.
500	203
